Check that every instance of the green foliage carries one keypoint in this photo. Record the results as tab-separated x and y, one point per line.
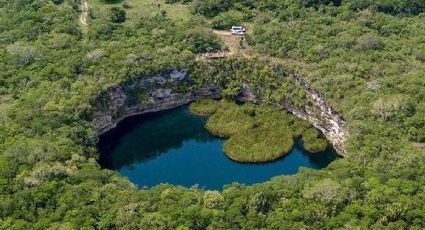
226	20
393	107
21	54
126	5
177	1
205	107
390	6
313	142
259	145
369	42
366	61
57	1
269	117
213	200
327	191
110	1
201	41
229	119
117	15
211	8
415	124
257	133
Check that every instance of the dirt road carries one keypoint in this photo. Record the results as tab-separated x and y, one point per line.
231	41
84	12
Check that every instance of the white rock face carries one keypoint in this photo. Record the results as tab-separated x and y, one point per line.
324	117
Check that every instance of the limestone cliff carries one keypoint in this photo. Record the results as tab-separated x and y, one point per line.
322	115
159	97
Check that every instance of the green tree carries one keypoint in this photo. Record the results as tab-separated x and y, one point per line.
117	15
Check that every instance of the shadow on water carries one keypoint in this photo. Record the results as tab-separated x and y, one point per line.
142	138
174	147
318	160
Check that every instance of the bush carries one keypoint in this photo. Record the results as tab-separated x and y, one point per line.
201	41
369	42
22	54
269	117
103	31
213	199
226	20
57	2
117	15
229	120
259	145
205	107
393	107
177	1
390	7
110	1
126	5
313	142
96	55
211	8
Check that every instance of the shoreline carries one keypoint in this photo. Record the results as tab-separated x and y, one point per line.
320	114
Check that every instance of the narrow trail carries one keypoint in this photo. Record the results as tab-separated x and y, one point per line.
84	12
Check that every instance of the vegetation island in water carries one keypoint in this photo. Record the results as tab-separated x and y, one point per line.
257	133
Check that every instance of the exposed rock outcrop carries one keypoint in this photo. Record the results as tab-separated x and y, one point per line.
157	98
322	115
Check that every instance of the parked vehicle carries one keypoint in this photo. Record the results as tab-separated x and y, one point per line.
237	30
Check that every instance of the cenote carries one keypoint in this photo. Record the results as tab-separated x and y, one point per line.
174	147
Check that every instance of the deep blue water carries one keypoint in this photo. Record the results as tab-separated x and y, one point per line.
174	147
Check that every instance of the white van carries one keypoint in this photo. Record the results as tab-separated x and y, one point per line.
238	30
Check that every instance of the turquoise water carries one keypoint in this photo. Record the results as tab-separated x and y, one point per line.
174	147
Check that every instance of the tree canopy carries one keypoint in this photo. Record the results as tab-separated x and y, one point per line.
366	57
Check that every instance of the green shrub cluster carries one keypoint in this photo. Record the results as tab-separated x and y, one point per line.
282	8
259	145
269	117
227	19
229	119
117	14
205	107
257	133
313	142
